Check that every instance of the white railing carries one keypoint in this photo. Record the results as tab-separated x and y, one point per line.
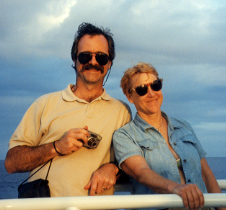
110	202
222	183
106	202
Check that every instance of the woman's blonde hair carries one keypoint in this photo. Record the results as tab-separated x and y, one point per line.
141	67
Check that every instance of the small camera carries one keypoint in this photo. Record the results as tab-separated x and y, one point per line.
93	140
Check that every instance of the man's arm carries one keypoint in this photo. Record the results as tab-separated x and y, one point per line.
103	179
26	158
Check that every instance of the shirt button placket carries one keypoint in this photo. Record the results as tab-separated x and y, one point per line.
187	178
176	174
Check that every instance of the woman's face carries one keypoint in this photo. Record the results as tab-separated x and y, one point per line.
151	102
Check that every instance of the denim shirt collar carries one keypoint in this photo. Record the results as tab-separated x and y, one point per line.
144	126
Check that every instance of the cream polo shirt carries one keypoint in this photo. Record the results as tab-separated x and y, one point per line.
47	120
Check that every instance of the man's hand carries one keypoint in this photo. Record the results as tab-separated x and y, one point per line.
26	158
102	179
72	140
191	195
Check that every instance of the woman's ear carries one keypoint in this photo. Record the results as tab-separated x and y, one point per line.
129	97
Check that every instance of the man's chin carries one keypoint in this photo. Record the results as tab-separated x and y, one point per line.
93	70
92	79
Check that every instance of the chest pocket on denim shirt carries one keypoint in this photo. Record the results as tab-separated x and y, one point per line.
189	146
188	138
147	145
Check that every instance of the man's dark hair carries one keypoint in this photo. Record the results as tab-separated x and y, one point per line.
87	28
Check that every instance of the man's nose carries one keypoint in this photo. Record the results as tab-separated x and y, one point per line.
93	61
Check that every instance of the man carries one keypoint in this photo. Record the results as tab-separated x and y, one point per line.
56	125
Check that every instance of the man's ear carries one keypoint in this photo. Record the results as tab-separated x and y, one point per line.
75	64
110	64
129	97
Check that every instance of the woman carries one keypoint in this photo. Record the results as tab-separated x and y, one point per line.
160	153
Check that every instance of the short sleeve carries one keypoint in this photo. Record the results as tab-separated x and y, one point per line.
124	146
28	131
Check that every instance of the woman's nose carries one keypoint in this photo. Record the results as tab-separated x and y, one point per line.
151	92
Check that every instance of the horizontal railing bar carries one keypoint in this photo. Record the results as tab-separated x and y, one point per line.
222	183
107	202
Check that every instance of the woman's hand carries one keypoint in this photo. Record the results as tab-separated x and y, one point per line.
191	195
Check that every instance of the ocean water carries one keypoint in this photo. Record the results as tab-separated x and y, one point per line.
10	182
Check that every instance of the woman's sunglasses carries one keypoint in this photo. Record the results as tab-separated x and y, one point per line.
143	89
101	58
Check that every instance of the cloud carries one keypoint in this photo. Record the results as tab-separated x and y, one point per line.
27	26
184	40
212	126
56	14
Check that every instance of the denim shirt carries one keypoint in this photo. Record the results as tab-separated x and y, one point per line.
140	138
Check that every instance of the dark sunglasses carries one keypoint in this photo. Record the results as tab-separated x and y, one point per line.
143	89
101	58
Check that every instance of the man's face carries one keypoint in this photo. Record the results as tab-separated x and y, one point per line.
92	72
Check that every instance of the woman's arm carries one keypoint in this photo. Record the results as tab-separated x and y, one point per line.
209	179
137	167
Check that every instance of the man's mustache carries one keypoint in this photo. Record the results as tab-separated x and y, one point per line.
90	66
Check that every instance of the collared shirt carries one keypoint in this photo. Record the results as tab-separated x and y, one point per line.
51	116
140	138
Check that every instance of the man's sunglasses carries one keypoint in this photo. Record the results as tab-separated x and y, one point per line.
143	89
101	58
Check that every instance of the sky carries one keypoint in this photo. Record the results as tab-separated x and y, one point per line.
183	39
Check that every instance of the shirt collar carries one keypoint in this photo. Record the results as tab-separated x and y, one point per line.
68	95
172	123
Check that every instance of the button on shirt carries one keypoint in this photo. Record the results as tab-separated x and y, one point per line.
140	138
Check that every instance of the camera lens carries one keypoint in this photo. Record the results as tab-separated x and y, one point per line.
92	142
